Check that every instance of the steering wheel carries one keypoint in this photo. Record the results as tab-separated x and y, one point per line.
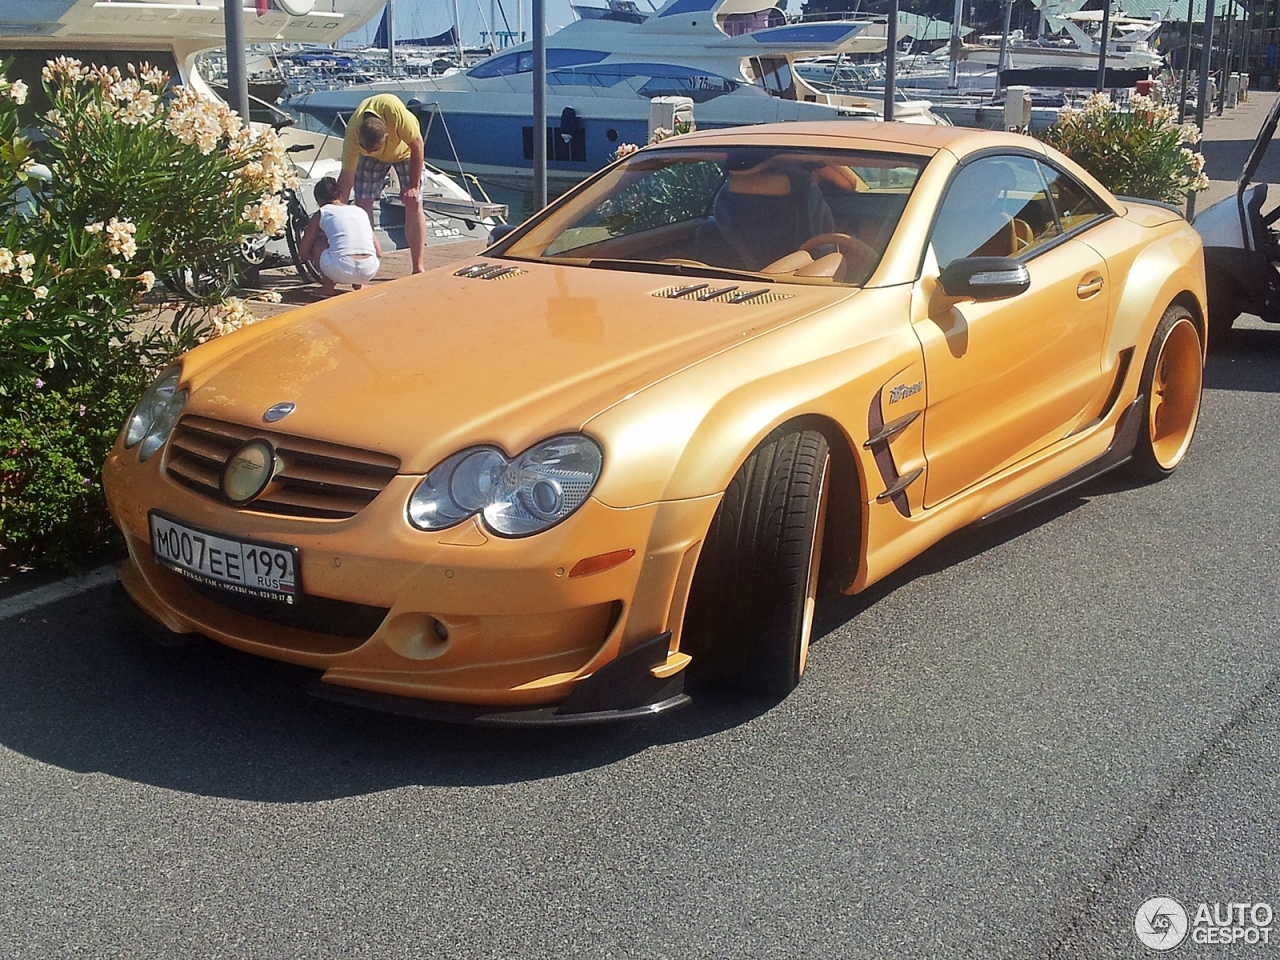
856	253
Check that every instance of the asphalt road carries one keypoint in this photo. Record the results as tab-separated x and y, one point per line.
999	753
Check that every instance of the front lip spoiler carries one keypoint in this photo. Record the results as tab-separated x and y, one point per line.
623	689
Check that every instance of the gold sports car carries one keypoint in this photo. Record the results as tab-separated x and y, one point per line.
632	438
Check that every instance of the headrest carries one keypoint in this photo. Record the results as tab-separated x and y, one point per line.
760	184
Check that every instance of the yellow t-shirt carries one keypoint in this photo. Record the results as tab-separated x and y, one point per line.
402	130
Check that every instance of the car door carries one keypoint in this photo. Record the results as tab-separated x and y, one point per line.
1007	378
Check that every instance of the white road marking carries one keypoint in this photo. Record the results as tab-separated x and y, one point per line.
51	593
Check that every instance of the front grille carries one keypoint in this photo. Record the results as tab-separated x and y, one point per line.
334	618
316	480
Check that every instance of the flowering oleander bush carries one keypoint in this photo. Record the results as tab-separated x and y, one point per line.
1139	152
124	182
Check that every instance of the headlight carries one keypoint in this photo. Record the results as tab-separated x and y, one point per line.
156	413
516	497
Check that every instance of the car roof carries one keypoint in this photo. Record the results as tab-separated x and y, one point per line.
913	138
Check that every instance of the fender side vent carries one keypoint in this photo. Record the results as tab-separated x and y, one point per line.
707	293
488	271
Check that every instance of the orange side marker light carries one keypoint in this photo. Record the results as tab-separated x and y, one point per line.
600	562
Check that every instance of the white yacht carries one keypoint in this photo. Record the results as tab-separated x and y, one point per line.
1130	46
733	58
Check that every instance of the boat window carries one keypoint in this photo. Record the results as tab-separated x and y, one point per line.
994	207
660	79
774	74
1075	205
811	216
521	61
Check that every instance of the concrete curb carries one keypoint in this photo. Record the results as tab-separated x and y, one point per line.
51	593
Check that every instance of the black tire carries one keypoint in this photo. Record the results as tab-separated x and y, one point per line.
205	283
1172	378
750	611
295	226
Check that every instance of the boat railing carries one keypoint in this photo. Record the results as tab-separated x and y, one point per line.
480	210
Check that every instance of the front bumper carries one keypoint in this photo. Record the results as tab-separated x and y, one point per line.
461	616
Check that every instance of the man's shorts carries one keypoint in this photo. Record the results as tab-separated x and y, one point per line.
371	176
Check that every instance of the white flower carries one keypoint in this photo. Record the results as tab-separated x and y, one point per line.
120	238
268	215
63	68
18	91
25	262
112	271
95	227
147	279
232	314
41	292
271	296
6	260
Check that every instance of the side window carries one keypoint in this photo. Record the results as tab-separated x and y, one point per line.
995	207
1076	206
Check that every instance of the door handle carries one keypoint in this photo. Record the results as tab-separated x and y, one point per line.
1089	287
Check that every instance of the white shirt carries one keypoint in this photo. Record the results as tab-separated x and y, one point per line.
347	229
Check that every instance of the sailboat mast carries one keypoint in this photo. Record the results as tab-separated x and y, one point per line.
391	34
457	27
955	44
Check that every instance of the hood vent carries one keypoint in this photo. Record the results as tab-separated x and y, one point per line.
488	271
714	293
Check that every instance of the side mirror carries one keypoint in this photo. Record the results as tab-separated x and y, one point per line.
984	278
282	121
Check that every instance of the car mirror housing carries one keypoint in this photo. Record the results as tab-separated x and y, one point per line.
985	278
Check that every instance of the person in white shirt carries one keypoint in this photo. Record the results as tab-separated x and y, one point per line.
340	241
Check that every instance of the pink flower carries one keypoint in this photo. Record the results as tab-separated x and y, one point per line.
83	409
39	384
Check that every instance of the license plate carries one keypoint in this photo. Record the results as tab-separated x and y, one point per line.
242	566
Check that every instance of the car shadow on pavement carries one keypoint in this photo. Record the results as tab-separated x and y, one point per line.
84	691
1249	361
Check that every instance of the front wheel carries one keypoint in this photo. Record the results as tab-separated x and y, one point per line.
750	612
1171	382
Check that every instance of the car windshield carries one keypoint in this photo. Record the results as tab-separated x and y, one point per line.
776	213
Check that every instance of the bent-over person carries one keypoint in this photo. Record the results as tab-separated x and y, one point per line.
339	240
384	134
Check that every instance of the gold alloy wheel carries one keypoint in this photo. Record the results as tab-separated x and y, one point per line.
1175	394
815	561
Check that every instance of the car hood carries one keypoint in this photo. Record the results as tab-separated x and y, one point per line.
421	367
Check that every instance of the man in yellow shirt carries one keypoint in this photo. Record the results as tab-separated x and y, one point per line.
383	134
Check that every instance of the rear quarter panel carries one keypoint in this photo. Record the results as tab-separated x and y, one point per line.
1149	268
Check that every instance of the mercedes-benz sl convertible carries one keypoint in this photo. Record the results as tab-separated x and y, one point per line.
632	439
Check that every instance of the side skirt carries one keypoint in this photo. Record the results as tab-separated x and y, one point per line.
1120	451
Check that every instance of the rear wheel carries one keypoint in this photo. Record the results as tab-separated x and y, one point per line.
750	613
295	226
1171	382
